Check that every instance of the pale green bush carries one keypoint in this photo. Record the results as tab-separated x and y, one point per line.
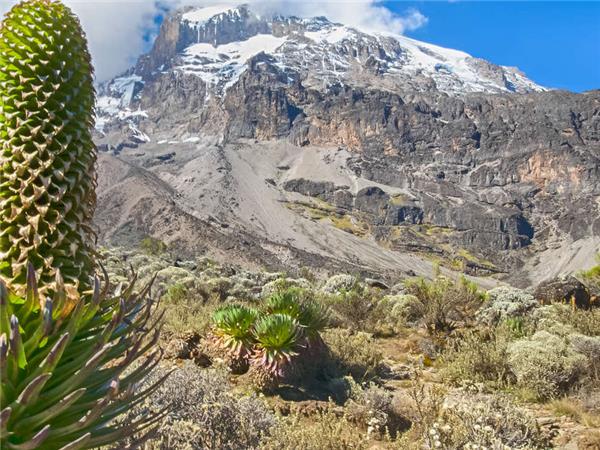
445	303
478	355
590	348
505	302
220	287
371	407
352	354
353	308
405	307
281	284
388	316
184	313
326	431
339	283
582	321
204	413
545	364
478	421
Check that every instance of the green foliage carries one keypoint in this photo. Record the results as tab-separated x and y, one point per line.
47	157
591	277
64	365
563	319
517	327
188	308
478	355
71	355
545	364
234	326
153	246
284	302
352	353
271	342
278	338
352	308
364	309
445	302
584	321
176	293
314	318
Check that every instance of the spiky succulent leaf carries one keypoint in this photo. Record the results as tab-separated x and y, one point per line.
314	318
47	158
284	302
67	367
278	338
233	325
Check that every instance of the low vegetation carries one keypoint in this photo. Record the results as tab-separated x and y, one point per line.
274	339
591	278
444	303
425	363
255	360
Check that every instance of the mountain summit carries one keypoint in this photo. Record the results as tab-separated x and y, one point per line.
288	142
216	44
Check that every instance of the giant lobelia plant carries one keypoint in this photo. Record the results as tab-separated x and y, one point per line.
71	354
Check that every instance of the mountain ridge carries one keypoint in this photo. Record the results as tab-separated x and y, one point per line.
407	163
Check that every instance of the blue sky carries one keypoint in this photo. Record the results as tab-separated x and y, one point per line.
557	44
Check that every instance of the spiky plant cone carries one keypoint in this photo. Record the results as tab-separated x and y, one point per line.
67	372
47	158
70	359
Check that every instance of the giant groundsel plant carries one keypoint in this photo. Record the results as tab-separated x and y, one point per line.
71	353
271	343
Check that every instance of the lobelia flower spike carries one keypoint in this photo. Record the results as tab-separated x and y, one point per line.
47	157
71	355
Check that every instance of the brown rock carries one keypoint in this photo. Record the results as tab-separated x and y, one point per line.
565	289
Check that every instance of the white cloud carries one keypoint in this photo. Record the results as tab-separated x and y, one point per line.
116	28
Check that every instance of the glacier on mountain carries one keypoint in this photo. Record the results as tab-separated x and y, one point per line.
215	43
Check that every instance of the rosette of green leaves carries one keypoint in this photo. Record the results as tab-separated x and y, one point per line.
70	367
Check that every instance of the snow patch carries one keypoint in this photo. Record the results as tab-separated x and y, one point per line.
123	88
331	35
138	134
198	17
223	64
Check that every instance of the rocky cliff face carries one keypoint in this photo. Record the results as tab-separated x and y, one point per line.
409	147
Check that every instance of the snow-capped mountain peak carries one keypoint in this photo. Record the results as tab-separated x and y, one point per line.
216	44
199	16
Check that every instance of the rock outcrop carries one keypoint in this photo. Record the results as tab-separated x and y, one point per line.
487	174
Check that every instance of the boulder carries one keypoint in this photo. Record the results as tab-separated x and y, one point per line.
565	289
379	284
